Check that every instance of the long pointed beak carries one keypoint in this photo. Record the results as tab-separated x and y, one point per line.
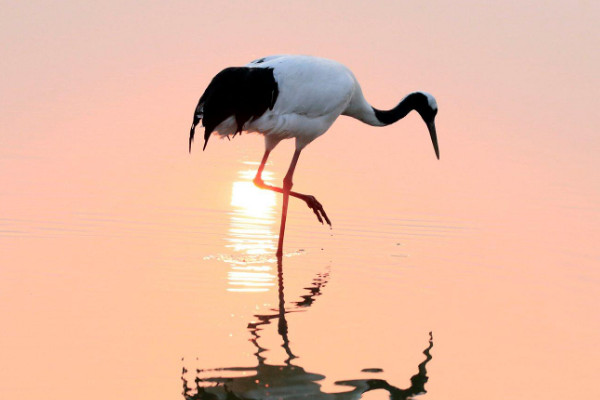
433	134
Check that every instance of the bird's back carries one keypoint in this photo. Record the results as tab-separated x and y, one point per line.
313	92
310	86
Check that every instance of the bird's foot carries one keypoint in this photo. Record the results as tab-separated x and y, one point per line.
317	208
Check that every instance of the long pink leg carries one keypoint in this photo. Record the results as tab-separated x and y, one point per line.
310	201
287	186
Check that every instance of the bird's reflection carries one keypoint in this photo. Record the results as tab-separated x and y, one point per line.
251	236
288	380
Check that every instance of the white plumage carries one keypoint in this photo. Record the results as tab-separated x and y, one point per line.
313	92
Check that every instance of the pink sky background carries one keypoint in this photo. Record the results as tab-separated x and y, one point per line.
96	101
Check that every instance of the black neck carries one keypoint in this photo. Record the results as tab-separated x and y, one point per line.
411	102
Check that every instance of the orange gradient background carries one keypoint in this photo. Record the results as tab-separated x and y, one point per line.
121	254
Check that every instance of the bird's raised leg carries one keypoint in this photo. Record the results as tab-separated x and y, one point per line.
258	178
310	201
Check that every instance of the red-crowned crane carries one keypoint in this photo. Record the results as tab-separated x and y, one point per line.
292	96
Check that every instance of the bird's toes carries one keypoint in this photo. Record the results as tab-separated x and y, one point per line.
318	216
312	202
317	208
324	215
326	218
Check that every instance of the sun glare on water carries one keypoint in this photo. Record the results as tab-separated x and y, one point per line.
251	235
252	201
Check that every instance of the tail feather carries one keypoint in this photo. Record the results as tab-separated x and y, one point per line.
242	92
192	131
198	114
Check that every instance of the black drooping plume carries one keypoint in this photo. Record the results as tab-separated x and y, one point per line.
242	92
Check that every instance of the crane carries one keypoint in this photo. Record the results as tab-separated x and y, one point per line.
294	96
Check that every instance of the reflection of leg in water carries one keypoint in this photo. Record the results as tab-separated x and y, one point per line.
314	290
274	381
282	326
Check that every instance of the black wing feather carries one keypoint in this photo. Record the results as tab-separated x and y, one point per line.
242	92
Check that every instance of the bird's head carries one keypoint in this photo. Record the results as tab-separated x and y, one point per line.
425	104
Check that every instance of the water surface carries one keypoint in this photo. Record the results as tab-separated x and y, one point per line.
169	293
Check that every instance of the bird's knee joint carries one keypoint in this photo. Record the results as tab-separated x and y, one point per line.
287	183
258	182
